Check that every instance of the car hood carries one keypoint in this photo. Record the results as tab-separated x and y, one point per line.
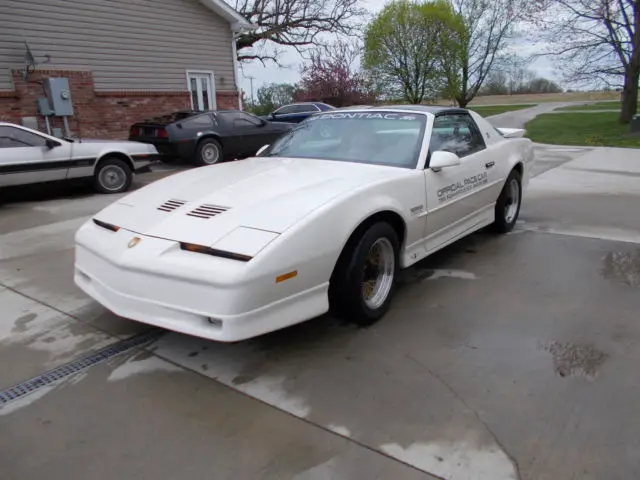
108	143
204	204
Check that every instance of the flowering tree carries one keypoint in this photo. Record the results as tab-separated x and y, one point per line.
331	75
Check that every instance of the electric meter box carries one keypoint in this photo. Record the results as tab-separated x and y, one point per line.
59	95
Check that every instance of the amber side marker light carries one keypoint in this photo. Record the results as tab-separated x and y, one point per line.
190	247
286	276
108	226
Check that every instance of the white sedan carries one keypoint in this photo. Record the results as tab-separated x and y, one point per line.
321	219
28	156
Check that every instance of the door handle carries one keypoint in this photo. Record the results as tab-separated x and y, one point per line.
489	164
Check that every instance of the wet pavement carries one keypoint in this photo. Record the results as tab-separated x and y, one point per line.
502	357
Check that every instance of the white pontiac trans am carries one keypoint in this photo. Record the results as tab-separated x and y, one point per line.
321	219
28	156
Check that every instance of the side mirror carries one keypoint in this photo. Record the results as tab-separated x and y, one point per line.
52	143
262	149
272	115
442	159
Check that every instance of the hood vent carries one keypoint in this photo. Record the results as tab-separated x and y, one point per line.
171	205
207	211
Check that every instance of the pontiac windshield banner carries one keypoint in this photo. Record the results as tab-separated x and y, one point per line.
364	116
458	188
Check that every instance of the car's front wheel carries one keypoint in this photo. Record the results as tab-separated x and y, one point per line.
209	152
365	279
507	207
113	176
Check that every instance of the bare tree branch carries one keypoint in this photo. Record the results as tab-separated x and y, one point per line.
490	26
597	41
298	24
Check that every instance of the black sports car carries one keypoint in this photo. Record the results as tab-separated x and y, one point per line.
207	137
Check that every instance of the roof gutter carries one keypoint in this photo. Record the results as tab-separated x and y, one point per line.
239	28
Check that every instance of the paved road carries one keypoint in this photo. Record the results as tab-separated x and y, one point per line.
518	118
502	357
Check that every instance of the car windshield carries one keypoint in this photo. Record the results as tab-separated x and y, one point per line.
377	138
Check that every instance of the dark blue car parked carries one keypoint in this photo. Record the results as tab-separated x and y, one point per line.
297	112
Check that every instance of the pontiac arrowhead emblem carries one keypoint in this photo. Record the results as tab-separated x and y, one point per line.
133	242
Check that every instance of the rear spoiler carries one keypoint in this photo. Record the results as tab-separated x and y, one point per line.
511	132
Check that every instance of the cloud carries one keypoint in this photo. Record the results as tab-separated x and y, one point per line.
542	66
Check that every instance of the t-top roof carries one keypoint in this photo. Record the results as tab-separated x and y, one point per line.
433	109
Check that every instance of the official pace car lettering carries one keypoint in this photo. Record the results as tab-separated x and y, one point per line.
458	188
363	115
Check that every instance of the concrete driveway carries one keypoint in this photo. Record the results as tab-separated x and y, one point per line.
503	357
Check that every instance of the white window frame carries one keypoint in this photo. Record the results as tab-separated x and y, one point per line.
212	81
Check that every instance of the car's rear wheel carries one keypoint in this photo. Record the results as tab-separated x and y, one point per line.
507	207
365	278
113	176
209	152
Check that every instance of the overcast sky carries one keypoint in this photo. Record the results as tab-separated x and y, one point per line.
291	73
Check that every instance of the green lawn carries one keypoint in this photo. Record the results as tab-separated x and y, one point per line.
489	110
613	105
598	129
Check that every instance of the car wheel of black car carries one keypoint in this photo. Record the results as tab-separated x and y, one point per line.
364	280
112	176
209	152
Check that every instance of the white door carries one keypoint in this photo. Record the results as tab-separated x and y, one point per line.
26	158
458	197
202	91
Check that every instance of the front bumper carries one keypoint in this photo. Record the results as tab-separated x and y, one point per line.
142	162
159	284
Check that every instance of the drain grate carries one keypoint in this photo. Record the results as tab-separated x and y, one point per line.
44	379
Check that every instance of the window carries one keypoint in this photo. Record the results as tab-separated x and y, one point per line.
239	119
202	90
305	109
298	108
456	133
324	107
11	137
377	138
199	121
286	110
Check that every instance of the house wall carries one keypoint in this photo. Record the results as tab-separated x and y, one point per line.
97	114
126	59
127	44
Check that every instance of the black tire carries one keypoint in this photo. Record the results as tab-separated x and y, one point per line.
346	290
204	155
112	176
505	222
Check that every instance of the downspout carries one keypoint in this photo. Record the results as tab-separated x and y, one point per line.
236	67
238	29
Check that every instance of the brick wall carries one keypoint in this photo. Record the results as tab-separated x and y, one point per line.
96	114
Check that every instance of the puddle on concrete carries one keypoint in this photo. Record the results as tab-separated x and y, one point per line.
578	360
623	267
416	274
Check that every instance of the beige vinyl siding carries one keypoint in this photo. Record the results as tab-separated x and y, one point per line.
127	44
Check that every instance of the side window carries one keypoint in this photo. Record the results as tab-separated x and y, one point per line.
305	108
11	137
324	107
286	110
456	133
199	121
240	119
